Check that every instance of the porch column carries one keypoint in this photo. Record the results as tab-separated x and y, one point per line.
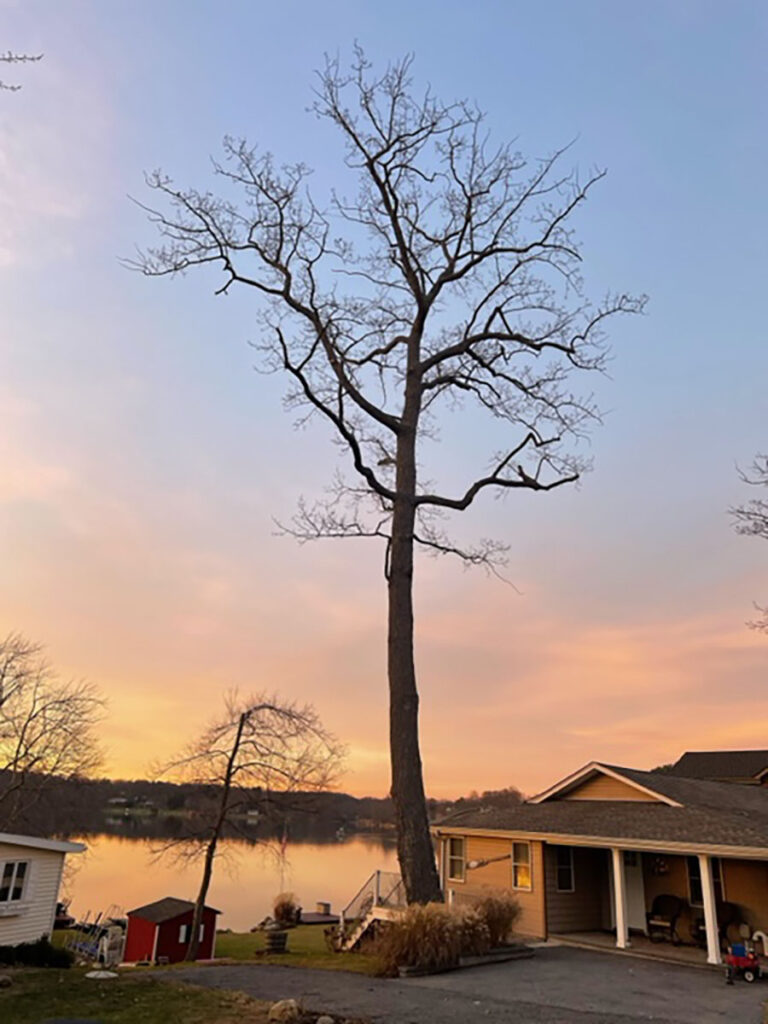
710	909
620	898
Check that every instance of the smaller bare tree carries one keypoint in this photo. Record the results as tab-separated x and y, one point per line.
262	741
48	727
751	519
16	58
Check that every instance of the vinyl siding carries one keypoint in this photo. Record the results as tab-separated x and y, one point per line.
35	916
604	787
532	921
584	909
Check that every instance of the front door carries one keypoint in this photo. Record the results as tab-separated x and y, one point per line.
633	874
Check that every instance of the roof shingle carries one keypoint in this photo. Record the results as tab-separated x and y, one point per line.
713	813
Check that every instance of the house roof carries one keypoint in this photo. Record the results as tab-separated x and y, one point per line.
165	909
708	814
36	843
721	764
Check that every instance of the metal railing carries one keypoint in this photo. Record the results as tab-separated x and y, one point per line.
382	889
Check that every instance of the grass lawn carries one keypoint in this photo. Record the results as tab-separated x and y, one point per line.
306	948
135	996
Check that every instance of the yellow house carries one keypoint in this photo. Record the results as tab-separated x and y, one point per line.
609	849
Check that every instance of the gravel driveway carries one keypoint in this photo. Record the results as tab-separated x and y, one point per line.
557	986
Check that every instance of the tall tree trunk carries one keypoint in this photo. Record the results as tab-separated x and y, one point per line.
414	844
210	850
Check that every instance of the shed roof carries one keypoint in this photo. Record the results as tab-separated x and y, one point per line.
166	909
710	814
36	843
721	764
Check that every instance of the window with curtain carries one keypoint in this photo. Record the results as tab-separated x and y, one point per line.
521	866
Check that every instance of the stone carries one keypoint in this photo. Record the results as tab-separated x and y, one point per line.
325	1019
285	1010
5	981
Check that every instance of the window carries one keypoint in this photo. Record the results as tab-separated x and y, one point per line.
565	878
695	891
202	930
14	875
521	866
183	932
456	860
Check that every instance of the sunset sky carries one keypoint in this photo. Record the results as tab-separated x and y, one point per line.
142	460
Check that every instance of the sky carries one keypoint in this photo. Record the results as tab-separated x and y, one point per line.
143	462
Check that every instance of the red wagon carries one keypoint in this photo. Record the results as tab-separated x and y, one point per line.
741	962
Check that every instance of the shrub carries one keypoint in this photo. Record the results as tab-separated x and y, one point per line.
427	937
35	954
475	933
285	908
500	911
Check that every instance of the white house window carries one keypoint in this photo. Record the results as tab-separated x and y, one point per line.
202	929
521	866
14	876
183	932
695	892
565	876
456	860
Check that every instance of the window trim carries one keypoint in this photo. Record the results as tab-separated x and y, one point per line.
716	864
570	865
10	900
452	857
520	863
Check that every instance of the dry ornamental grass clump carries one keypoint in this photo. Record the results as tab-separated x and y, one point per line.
285	908
433	937
499	911
475	933
427	937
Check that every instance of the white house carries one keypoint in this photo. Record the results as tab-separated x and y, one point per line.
30	876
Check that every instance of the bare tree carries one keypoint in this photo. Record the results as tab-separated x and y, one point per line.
16	58
751	519
449	279
48	727
259	741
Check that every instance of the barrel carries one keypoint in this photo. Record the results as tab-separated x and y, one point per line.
276	941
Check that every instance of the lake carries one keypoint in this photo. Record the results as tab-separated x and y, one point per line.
124	873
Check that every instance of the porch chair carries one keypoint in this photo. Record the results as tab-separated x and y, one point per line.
661	919
727	914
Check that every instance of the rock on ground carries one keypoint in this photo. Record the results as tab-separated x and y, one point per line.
285	1010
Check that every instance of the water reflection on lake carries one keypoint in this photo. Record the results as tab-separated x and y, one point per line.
123	871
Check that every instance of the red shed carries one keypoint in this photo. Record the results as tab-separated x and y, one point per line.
163	929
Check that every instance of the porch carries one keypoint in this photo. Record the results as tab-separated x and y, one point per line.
693	905
640	946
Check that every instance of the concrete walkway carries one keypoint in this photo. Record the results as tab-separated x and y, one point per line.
558	986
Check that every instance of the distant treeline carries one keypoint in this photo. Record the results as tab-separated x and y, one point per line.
143	807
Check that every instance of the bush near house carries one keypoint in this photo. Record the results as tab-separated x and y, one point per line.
427	937
433	937
35	954
500	912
